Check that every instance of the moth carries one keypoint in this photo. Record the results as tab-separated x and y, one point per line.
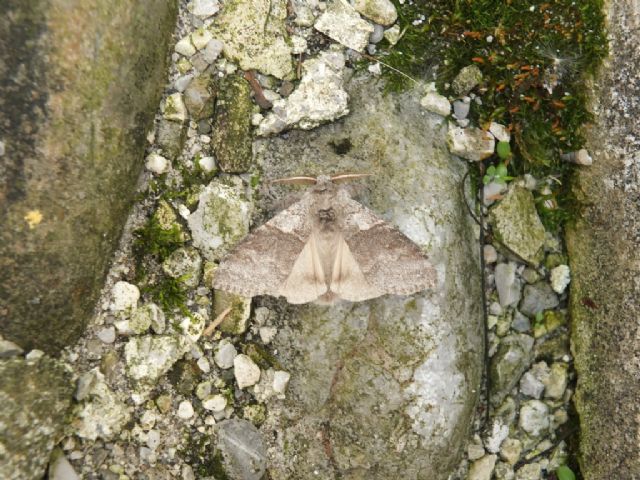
324	248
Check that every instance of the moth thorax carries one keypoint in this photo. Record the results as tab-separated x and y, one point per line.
326	215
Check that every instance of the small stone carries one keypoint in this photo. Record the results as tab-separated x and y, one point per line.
537	298
472	144
520	322
475	451
556	382
382	12
157	164
125	296
267	334
581	157
243	449
60	468
149	357
530	275
507	284
212	51
529	471
560	278
436	103
141	319
393	34
187	473
375	69
534	418
299	45
280	381
171	137
224	355
490	254
246	372
461	108
503	471
9	349
466	80
185	410
203	390
319	98
204	8
175	109
200	38
377	35
510	450
185	47
164	403
531	386
203	364
493	191
500	132
512	358
517	225
341	23
148	419
107	334
184	264
482	469
215	403
496	434
153	439
123	327
207	164
199	97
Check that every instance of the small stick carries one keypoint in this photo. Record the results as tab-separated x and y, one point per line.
218	320
261	100
294	180
349	176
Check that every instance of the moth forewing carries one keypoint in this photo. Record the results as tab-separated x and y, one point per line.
325	247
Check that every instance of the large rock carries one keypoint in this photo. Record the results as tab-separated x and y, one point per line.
603	245
254	35
80	83
384	388
35	397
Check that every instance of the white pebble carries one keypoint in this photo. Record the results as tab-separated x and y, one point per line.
560	278
215	403
204	8
185	410
247	373
200	38
375	69
436	103
203	364
157	163
490	254
500	132
107	335
125	296
208	164
280	381
185	47
34	354
267	334
225	354
153	439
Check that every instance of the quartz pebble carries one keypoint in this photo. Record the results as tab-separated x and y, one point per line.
246	372
185	410
225	354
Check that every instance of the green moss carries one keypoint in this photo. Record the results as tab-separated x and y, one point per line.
169	293
533	70
262	357
205	460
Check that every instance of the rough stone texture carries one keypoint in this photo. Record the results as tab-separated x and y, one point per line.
341	23
603	246
35	397
516	224
80	81
513	357
384	388
231	138
254	35
242	448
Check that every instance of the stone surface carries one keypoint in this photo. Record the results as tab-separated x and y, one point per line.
184	264
319	98
150	356
482	469
157	164
436	103
507	284
235	322
35	398
224	354
199	97
470	143
221	219
101	412
466	80
74	148
516	224
537	298
341	23
170	137
381	12
534	417
247	373
243	449
125	297
401	372
512	358
560	278
60	468
231	138
254	35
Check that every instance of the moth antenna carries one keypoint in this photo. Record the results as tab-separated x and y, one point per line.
295	180
345	177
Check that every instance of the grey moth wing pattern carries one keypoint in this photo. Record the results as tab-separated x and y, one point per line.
324	248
